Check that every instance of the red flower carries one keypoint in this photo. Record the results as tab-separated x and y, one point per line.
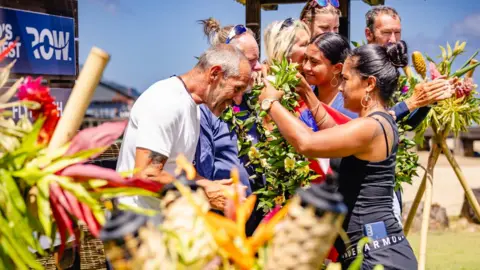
33	90
463	87
236	109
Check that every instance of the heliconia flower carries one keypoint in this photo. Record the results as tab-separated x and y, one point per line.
405	89
271	213
33	90
236	109
434	73
84	172
100	136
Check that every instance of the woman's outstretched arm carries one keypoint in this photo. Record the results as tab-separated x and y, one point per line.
351	138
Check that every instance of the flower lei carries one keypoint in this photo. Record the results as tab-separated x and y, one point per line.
407	158
277	161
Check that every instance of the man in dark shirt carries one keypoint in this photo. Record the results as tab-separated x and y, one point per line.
217	150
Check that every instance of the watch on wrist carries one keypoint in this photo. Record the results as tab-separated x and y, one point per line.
267	104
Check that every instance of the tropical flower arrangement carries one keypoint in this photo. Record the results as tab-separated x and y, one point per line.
462	109
49	193
189	236
454	114
283	169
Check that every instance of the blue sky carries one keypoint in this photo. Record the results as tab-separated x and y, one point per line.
150	40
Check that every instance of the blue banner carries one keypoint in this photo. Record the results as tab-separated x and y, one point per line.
46	43
61	96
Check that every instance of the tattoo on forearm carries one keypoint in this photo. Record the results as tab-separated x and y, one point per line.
157	158
155	167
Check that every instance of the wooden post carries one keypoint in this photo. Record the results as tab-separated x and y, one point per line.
345	19
253	18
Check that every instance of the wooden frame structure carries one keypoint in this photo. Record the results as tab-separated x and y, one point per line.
253	9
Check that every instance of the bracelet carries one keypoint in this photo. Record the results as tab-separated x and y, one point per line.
324	118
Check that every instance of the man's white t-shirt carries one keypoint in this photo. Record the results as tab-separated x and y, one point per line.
166	120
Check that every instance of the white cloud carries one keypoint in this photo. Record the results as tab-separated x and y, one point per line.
470	26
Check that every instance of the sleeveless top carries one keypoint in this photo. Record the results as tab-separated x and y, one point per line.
367	189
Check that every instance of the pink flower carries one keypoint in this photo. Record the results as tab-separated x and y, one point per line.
271	214
434	73
463	87
236	109
404	89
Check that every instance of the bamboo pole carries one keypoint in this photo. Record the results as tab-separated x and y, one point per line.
461	178
427	206
80	98
432	158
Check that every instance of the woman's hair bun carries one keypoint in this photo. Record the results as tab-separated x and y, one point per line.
210	26
397	53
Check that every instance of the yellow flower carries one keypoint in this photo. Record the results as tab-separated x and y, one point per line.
253	154
303	170
419	64
289	164
264	162
279	200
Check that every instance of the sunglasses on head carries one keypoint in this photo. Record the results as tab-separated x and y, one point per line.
286	23
236	30
324	3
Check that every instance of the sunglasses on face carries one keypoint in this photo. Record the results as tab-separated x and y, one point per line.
286	23
236	31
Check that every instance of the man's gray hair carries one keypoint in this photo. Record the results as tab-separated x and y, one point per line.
372	14
228	57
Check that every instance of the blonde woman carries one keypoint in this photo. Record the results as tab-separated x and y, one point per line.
288	38
321	16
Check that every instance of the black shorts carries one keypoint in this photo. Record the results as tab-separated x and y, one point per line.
393	256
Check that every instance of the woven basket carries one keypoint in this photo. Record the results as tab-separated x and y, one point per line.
66	262
92	256
303	239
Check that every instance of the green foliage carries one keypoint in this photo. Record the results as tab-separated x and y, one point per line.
277	161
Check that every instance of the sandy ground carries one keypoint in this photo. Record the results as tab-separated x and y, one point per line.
447	190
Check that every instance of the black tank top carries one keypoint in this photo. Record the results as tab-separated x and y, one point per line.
367	189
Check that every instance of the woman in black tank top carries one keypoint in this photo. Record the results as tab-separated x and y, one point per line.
368	147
